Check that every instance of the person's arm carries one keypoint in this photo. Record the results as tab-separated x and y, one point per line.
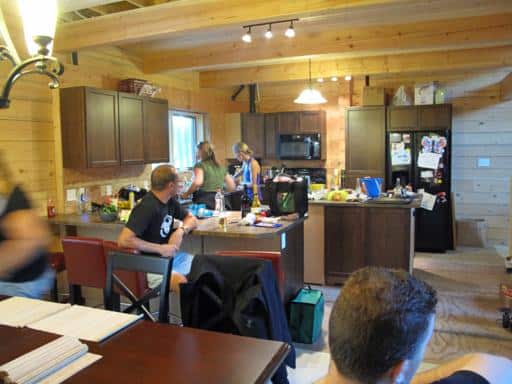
495	369
128	239
255	171
230	183
189	224
25	234
197	182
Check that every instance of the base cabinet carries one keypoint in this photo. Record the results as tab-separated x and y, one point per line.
356	237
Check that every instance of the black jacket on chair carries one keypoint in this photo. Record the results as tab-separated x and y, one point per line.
236	295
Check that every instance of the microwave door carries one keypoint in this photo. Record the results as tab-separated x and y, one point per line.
293	150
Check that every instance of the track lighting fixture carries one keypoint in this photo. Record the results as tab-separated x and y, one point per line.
320	79
247	36
334	78
290	31
268	32
348	77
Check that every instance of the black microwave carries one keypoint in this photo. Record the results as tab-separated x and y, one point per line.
304	146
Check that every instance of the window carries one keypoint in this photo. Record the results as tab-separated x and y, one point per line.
186	130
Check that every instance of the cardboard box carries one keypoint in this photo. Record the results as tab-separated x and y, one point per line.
472	232
424	93
374	96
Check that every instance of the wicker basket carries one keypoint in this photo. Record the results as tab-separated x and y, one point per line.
131	85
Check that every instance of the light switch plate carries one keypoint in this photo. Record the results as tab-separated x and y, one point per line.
484	162
108	190
70	194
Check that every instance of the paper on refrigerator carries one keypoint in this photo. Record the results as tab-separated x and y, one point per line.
428	201
429	160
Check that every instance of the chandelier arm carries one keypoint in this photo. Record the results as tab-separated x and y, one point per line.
6	54
18	71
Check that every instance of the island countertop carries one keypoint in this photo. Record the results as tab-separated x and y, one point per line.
369	204
207	227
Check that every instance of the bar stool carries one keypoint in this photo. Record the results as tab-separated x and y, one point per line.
57	263
274	257
86	265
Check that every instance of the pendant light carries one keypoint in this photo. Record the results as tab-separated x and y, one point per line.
310	95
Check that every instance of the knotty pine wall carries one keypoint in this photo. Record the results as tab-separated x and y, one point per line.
482	127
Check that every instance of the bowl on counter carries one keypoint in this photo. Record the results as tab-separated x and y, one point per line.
108	217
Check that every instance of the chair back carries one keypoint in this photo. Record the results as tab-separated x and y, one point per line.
274	257
140	263
85	261
136	282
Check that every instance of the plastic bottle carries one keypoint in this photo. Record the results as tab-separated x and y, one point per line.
219	201
397	191
50	208
358	186
131	199
245	203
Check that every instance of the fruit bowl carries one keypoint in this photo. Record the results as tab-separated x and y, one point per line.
108	217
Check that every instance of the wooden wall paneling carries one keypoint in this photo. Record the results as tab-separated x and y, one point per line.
506	88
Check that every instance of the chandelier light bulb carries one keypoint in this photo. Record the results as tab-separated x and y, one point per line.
348	77
290	32
247	36
268	33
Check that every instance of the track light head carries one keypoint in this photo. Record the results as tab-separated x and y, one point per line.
290	32
247	38
320	79
348	77
334	78
268	32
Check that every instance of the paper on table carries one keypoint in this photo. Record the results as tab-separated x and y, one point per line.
428	201
21	311
86	323
429	160
71	369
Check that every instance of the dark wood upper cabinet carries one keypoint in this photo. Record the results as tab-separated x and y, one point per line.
365	149
435	117
90	129
253	132
311	121
288	122
402	118
271	138
419	117
131	128
103	128
156	131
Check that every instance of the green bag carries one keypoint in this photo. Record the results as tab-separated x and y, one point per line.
306	315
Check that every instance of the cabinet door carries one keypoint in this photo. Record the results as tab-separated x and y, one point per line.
344	247
402	118
253	132
365	141
310	121
288	123
435	117
102	128
156	131
271	139
131	129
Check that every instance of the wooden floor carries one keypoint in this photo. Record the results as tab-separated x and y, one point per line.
467	314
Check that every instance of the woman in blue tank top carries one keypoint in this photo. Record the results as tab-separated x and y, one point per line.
251	170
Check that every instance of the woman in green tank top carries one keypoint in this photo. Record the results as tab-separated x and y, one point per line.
209	176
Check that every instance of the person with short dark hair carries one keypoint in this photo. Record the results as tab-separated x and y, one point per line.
158	223
209	176
379	329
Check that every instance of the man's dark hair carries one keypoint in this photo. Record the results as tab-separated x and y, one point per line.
377	321
162	175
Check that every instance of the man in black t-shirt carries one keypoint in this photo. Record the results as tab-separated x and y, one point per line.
379	329
158	223
24	237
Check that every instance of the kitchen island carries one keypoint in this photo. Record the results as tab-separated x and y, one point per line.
342	237
209	238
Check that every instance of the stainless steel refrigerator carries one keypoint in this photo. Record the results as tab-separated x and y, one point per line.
423	161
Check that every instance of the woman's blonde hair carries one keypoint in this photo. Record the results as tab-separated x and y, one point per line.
207	152
241	147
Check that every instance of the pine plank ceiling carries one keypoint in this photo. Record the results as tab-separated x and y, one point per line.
205	35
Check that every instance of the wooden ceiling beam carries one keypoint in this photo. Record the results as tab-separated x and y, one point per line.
188	15
470	32
464	59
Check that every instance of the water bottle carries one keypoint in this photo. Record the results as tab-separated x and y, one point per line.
245	203
219	201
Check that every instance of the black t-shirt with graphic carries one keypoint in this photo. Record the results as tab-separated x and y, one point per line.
463	377
151	220
35	267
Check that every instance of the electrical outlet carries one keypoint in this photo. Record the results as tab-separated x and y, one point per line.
70	194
